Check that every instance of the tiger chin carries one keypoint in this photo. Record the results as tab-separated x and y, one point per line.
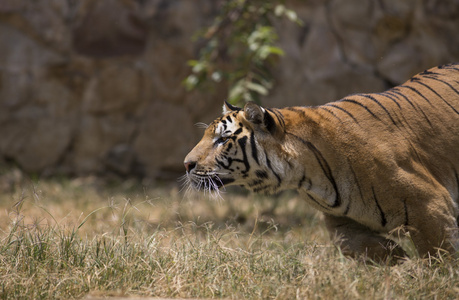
372	163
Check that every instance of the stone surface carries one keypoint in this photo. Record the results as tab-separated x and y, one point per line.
94	86
110	28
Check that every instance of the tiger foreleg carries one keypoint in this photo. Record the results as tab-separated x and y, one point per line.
433	229
358	241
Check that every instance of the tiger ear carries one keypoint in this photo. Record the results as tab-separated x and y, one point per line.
259	116
228	107
254	113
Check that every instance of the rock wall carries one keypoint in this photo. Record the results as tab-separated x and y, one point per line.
94	86
349	46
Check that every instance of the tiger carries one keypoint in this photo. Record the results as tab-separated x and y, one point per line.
372	163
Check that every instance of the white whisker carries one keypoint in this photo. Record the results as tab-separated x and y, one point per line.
222	185
210	184
221	173
201	125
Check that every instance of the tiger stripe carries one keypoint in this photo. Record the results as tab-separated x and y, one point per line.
361	105
345	111
381	213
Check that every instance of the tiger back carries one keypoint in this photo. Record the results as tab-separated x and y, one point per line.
372	163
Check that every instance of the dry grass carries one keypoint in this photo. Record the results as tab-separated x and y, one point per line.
73	238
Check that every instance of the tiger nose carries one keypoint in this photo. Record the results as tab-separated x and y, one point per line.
189	165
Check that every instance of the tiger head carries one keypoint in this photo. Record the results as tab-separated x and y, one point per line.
242	147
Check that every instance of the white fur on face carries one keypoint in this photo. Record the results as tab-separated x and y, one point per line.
226	129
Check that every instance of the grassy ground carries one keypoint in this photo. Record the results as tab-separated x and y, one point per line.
73	238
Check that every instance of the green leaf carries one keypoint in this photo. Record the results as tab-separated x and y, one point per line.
276	50
192	62
292	16
254	46
257	88
264	52
216	76
191	82
279	10
199	67
236	90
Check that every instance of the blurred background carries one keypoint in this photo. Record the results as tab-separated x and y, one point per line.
95	87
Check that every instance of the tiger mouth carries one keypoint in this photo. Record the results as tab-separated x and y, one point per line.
208	181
